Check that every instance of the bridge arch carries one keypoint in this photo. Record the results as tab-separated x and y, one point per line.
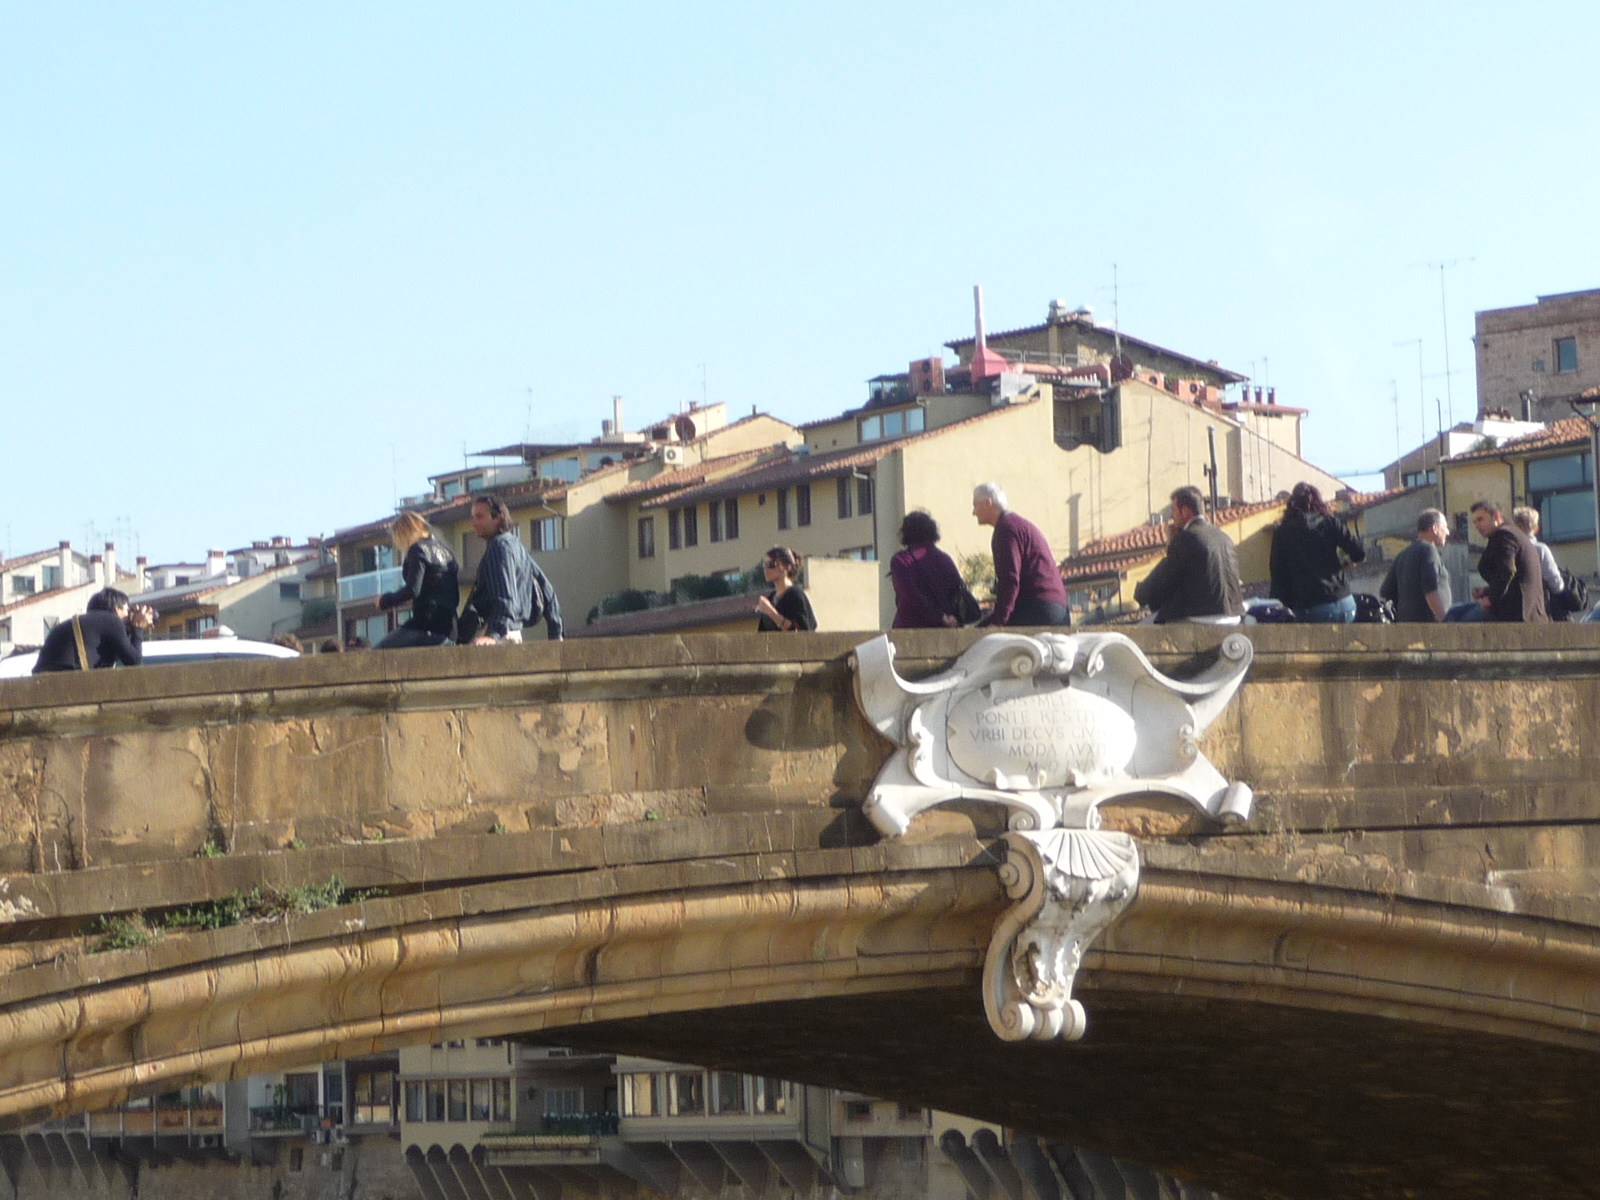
619	851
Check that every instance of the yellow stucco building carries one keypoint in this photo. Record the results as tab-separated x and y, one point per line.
1551	471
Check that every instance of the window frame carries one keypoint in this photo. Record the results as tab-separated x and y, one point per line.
1565	505
647	537
1566	344
552	528
696	1085
724	1105
783	507
802	504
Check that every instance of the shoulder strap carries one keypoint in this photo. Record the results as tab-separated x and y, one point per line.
83	653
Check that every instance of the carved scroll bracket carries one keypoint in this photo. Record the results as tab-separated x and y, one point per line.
1050	727
1069	885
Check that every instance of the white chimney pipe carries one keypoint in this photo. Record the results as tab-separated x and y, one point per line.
616	415
216	562
977	315
111	564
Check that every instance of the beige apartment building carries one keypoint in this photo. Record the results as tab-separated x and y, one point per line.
1088	430
489	1118
843	493
556	496
1551	470
1532	359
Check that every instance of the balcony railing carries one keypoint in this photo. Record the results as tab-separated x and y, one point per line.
593	1124
368	584
577	1134
284	1118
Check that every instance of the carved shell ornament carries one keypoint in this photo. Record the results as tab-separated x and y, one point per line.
1051	727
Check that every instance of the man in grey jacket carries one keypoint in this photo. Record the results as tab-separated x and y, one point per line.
510	590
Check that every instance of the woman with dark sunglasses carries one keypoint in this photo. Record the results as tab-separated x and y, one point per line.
785	608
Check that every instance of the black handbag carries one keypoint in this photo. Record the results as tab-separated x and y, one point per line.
965	605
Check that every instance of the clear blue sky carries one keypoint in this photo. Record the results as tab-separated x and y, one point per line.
262	265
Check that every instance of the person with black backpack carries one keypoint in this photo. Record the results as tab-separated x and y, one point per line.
1564	593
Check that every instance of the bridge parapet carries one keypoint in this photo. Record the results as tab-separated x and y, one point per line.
597	835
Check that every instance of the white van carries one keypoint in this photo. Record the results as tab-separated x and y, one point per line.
187	650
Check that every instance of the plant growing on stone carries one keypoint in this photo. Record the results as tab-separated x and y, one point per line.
120	933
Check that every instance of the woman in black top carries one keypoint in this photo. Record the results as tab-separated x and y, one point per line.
1307	571
428	581
785	607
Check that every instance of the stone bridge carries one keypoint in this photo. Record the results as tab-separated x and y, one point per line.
1385	983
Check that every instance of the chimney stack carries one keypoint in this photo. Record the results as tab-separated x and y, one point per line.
97	571
616	415
216	562
64	564
141	573
111	564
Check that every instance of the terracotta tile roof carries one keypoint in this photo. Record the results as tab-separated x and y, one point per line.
791	468
36	597
1110	555
1127	340
688	476
1569	431
25	560
518	495
672	618
638	448
356	532
1356	503
787	469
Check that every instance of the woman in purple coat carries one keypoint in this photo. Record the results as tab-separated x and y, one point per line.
926	581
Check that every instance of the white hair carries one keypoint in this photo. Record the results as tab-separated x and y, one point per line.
993	493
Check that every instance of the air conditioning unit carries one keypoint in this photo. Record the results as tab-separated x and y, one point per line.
672	455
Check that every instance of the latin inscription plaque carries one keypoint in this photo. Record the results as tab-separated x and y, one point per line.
1050	735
